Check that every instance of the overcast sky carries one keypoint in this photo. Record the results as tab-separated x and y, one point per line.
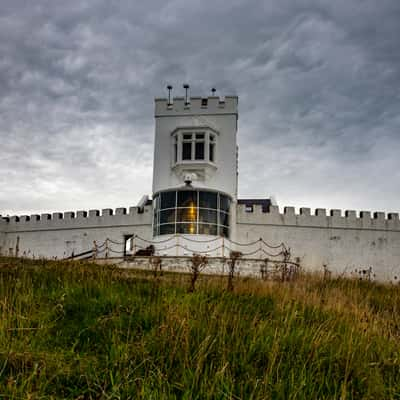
318	85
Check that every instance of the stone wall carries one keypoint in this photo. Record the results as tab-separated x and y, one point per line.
3	225
62	234
344	242
215	266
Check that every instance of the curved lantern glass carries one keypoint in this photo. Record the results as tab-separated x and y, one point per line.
191	212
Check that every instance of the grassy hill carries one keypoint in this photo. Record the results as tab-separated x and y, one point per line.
76	330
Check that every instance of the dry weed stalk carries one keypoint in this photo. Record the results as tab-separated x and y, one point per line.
198	263
155	263
264	269
327	272
233	257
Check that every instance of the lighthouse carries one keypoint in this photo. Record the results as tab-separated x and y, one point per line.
195	166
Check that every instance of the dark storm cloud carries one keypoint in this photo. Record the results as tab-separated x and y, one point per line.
318	83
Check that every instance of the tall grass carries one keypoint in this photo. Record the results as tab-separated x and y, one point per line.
75	330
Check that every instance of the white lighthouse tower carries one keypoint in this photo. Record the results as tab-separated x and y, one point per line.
195	166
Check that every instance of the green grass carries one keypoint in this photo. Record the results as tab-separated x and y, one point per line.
75	330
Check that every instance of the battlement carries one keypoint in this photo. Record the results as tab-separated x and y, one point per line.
321	218
3	225
196	105
78	219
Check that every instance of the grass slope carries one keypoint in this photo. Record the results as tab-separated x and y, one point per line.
74	330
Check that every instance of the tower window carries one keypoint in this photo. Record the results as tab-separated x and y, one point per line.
199	154
176	149
197	146
212	147
186	151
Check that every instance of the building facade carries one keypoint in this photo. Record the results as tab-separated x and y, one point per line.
195	209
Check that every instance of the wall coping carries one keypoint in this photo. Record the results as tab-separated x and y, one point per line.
319	217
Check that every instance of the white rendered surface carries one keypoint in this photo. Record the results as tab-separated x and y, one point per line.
221	118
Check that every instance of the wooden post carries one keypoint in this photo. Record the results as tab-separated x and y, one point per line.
264	269
94	255
260	247
223	247
106	255
133	244
17	247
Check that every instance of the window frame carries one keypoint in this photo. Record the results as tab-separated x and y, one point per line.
206	137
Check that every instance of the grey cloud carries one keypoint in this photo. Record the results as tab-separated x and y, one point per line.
318	84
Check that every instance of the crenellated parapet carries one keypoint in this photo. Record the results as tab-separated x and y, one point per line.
320	218
3	226
196	106
77	220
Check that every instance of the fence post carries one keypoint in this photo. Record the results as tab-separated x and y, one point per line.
106	255
94	255
133	244
264	269
223	246
260	247
17	247
177	245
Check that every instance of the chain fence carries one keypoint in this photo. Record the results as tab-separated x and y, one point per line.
275	259
181	245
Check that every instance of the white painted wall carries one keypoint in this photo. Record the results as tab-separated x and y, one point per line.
3	227
345	244
59	235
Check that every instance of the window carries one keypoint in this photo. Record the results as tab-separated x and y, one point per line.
195	146
208	229
191	212
224	203
187	147
207	216
168	200
208	200
175	149
199	153
199	146
167	229
167	216
212	147
187	198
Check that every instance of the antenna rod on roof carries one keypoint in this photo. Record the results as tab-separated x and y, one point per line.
169	87
186	87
